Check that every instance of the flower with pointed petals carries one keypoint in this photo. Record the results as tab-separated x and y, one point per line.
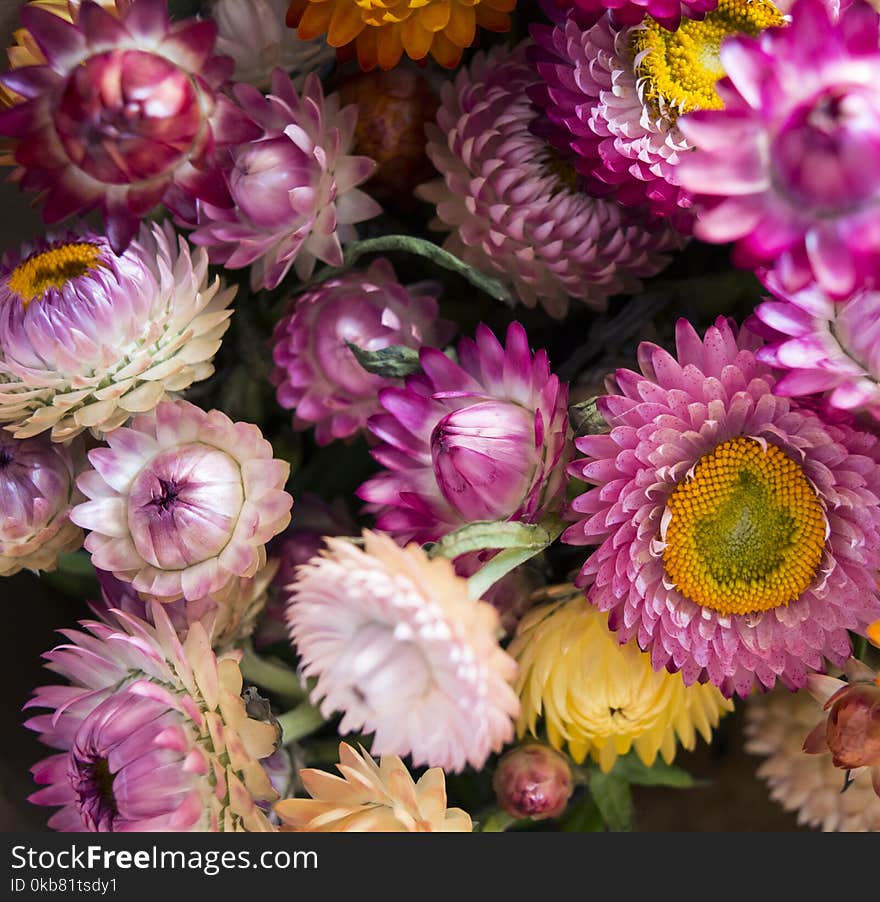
37	489
613	94
294	190
152	731
89	337
254	34
602	698
396	644
668	13
371	798
482	439
383	30
512	205
823	346
125	114
182	502
809	785
851	729
317	375
790	167
738	533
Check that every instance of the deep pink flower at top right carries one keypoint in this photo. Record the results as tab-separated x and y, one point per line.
788	169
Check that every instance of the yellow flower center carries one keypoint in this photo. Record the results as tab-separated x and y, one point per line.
746	532
53	269
679	69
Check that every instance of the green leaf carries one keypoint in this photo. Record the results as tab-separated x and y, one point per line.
634	771
584	817
393	362
613	798
428	250
76	563
585	418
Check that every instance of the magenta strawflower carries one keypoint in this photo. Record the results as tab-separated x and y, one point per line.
482	439
317	375
789	167
630	12
294	190
738	533
823	347
125	114
89	337
37	489
152	731
512	204
183	502
613	94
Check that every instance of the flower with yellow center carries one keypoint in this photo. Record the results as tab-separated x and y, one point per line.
745	532
602	698
678	70
737	532
383	30
613	95
371	798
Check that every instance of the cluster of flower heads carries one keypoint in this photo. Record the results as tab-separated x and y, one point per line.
722	508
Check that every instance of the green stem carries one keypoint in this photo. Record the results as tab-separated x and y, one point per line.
269	675
860	647
497	821
300	722
422	248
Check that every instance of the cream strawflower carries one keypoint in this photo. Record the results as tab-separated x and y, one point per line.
397	644
776	725
371	798
601	697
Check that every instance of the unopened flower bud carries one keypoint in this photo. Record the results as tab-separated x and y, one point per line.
533	781
853	728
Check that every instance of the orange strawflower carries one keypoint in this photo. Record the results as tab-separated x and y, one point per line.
382	30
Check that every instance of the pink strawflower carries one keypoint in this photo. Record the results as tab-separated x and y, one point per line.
512	205
183	502
612	96
37	489
482	439
153	733
317	375
738	533
823	347
790	167
125	114
397	645
294	190
630	12
89	337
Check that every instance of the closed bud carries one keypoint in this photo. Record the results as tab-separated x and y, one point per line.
533	781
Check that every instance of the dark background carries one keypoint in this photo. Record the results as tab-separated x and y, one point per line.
32	611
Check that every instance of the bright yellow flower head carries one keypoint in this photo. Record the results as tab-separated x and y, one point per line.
600	697
382	30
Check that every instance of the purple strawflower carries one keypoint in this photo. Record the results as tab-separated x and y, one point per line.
125	114
37	490
790	167
294	189
482	439
630	12
318	376
824	347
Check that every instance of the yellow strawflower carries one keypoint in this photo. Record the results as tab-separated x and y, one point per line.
602	698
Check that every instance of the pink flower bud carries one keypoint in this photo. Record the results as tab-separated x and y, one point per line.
533	781
853	728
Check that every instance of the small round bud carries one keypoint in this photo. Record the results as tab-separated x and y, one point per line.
533	781
853	728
